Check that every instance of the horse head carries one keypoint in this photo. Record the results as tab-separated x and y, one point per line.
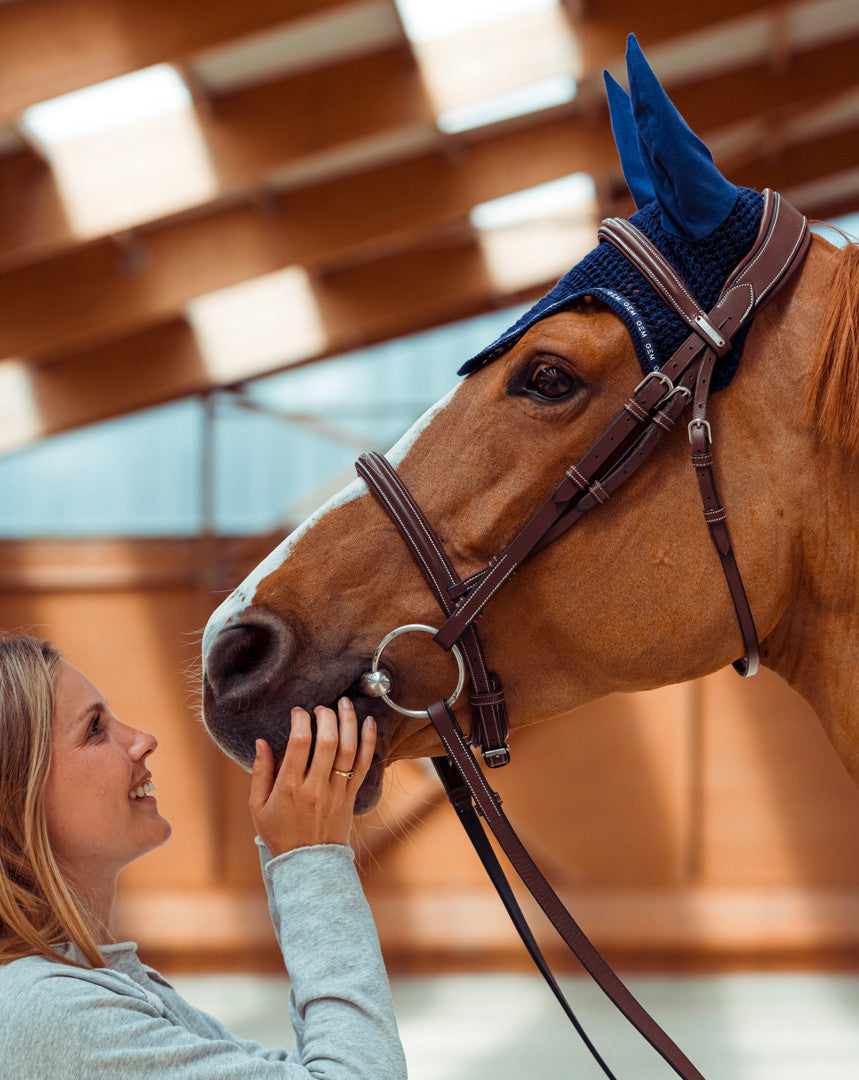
634	597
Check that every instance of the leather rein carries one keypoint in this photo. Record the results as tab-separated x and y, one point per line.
650	413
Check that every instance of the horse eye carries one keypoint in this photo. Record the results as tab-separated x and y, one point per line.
551	381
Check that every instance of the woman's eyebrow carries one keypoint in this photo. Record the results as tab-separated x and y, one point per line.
85	714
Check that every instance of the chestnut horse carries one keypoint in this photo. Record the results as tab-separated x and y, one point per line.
633	597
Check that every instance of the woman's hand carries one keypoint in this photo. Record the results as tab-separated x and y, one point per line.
303	805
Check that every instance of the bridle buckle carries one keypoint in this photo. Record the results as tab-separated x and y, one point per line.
497	757
698	423
649	377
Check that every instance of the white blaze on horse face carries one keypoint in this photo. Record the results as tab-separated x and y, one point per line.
397	454
241	598
230	611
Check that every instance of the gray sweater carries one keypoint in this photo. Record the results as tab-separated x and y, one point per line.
64	1023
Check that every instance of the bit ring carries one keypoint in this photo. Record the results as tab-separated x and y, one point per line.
388	638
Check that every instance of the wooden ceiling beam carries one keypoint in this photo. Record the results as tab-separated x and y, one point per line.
401	294
268	128
249	136
766	91
831	207
602	26
108	380
796	165
275	132
51	47
103	289
32	215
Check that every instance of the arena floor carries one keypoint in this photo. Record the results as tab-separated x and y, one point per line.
509	1027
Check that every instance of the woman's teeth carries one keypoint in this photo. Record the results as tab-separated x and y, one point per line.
142	791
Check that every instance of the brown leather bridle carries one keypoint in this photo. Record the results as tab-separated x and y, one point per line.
652	410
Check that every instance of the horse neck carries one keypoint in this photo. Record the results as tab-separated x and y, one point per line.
815	645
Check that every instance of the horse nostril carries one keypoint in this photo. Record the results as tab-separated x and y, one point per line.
247	658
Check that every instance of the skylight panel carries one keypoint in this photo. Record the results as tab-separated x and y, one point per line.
20	421
268	321
483	62
557	196
431	20
533	236
141	95
546	94
124	152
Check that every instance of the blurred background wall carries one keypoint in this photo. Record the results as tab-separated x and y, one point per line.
239	244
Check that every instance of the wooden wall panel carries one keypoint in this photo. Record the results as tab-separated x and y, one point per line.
777	803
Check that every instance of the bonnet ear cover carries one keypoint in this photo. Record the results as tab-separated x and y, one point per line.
626	140
701	223
693	196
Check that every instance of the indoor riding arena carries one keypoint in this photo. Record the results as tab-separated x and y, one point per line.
242	245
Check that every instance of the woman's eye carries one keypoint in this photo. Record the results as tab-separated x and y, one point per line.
95	727
551	381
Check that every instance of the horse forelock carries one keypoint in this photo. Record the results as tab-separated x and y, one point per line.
832	401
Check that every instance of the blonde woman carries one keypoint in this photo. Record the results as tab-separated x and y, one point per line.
77	804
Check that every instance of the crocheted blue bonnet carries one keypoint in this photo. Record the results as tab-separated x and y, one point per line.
656	330
701	223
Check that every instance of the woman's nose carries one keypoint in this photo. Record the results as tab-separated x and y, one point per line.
141	744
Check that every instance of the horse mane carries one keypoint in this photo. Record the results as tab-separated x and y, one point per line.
832	402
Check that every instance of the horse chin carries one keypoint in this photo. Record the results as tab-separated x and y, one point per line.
370	791
235	732
417	744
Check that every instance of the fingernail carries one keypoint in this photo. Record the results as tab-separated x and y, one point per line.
259	746
371	723
346	703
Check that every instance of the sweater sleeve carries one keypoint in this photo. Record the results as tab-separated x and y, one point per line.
64	1023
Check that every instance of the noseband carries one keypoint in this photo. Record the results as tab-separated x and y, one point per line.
652	410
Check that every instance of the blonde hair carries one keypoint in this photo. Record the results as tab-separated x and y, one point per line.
38	904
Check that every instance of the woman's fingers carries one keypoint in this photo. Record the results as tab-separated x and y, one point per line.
337	749
262	776
325	748
303	804
294	765
364	757
344	759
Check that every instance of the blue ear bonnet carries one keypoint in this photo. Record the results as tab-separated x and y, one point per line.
701	223
655	329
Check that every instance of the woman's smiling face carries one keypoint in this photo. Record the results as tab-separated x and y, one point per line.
99	809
